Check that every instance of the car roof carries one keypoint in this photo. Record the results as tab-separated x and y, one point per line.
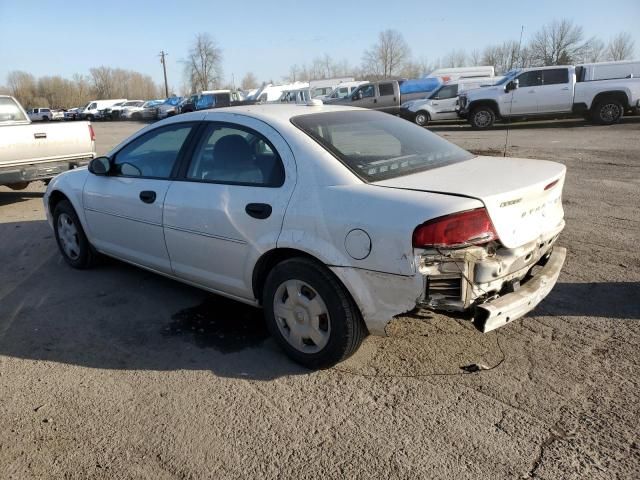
278	112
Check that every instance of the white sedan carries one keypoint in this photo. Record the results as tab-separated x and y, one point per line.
332	219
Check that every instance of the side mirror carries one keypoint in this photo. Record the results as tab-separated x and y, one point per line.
512	85
100	166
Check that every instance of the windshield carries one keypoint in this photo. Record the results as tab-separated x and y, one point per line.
377	146
173	100
507	76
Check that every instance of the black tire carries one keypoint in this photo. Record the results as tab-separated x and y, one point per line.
86	255
346	330
136	116
608	111
422	118
45	119
482	117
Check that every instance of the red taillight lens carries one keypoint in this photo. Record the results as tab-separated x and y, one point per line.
465	228
92	134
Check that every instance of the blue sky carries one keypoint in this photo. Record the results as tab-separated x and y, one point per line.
64	37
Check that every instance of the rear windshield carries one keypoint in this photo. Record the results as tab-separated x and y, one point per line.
377	146
9	111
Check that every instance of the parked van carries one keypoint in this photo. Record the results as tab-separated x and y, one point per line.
441	104
588	72
451	74
325	86
272	93
92	110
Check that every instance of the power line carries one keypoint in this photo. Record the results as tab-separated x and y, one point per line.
164	69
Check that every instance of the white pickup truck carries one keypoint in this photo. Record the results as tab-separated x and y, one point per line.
30	152
549	92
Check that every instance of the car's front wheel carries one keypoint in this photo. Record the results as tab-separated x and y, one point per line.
422	118
72	241
482	117
310	314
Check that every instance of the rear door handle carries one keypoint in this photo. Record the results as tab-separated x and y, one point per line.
565	88
258	210
40	135
375	100
148	196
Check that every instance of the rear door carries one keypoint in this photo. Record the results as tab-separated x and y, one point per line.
228	204
555	94
124	209
388	95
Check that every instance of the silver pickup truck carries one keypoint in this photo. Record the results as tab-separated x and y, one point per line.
39	151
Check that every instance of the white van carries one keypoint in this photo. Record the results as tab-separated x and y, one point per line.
587	72
325	86
272	93
451	74
91	111
343	90
441	104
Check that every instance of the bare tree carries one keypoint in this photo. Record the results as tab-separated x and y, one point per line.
559	43
455	58
203	67
249	81
475	57
596	51
621	47
504	57
386	58
22	85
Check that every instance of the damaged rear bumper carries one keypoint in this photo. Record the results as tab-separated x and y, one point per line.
497	313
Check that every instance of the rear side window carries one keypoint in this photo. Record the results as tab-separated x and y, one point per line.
235	155
154	154
377	146
386	89
555	76
9	111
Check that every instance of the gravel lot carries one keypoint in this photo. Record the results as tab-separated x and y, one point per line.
118	373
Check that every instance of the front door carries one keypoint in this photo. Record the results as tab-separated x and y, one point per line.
524	100
444	103
123	210
226	209
365	96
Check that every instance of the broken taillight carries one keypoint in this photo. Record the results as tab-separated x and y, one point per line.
472	227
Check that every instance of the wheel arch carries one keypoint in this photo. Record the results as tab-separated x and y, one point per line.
620	95
485	103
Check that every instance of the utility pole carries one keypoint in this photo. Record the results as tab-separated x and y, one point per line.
164	69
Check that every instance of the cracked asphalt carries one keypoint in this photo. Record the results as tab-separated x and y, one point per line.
116	373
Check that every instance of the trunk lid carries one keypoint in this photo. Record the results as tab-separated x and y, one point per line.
523	197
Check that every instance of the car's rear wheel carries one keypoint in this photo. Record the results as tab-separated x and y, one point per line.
310	314
482	117
422	118
608	112
72	241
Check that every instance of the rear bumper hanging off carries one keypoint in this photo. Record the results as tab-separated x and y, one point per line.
497	313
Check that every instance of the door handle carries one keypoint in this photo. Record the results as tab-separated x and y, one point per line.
375	100
40	135
532	91
148	196
565	88
258	210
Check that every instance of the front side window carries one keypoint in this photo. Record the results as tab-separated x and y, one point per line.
555	76
237	156
530	79
377	146
92	106
448	91
153	154
10	112
366	91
